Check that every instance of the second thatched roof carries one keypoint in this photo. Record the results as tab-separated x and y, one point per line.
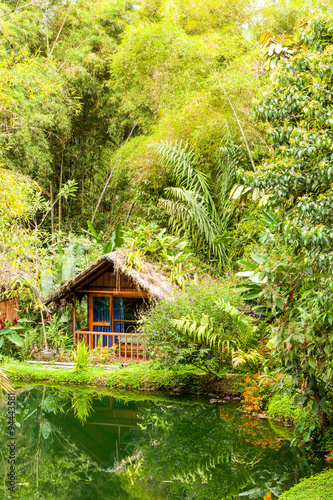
7	273
146	278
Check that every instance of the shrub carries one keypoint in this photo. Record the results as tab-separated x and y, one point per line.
281	406
318	487
164	340
104	355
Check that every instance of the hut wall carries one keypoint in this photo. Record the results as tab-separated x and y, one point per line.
8	309
107	280
111	282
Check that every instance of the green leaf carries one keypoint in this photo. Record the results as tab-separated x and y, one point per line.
251	295
323	405
315	407
307	435
280	303
108	247
246	263
260	259
93	231
2	340
60	250
312	363
46	429
5	331
302	425
245	274
16	339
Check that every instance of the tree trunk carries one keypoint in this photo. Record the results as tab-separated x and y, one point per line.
323	423
322	418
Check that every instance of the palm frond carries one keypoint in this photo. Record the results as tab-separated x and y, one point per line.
250	357
188	212
230	156
198	209
203	331
194	203
246	330
178	158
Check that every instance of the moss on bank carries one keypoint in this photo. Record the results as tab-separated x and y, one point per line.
142	376
281	407
318	487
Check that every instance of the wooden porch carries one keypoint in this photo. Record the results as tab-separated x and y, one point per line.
129	347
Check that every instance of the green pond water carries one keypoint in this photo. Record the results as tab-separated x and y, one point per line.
80	444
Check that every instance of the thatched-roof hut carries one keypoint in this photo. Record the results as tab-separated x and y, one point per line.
115	294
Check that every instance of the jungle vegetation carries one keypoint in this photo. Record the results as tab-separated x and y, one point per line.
195	133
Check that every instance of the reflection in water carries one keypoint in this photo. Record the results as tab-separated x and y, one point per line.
76	444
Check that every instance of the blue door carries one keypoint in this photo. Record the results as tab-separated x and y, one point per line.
102	319
104	316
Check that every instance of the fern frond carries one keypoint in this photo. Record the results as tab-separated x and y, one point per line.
252	357
178	159
189	213
203	331
246	330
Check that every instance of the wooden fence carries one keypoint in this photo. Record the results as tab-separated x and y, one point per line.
129	346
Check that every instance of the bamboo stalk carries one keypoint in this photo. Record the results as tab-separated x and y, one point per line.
52	209
60	184
109	179
60	30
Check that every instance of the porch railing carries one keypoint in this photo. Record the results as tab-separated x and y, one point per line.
129	346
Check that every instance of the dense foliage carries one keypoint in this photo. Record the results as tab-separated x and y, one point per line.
127	124
293	278
318	486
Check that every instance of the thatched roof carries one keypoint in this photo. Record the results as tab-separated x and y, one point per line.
147	279
7	273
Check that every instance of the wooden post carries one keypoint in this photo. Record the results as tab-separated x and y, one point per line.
125	347
74	318
112	314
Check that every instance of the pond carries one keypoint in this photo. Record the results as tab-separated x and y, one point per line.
79	444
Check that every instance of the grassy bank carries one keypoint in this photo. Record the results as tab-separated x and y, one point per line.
318	487
142	376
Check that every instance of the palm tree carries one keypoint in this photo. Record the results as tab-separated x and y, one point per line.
198	206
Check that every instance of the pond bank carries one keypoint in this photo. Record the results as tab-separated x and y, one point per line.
151	377
142	376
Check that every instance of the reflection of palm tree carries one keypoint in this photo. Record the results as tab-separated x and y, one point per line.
82	405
